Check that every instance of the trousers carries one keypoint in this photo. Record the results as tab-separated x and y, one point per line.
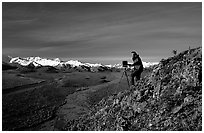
135	73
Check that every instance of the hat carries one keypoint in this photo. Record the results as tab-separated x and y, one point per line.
133	52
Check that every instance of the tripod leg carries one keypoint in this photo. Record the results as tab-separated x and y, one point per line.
121	77
127	79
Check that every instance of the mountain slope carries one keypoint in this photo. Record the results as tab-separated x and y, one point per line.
168	99
7	66
6	59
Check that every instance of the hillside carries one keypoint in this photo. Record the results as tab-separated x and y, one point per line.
170	98
7	66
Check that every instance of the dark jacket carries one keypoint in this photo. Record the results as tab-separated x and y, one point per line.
137	63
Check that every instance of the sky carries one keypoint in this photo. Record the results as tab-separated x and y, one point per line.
100	32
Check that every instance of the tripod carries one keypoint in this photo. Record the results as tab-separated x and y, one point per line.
125	73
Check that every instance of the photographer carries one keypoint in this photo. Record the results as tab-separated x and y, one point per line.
138	67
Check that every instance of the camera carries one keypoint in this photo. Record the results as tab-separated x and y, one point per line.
125	63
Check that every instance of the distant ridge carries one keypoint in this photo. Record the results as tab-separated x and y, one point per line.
38	61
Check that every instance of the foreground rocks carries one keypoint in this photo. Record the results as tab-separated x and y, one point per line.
168	99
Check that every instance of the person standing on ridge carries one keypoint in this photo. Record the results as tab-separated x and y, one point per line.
138	67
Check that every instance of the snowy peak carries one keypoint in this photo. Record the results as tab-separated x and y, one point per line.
115	66
74	63
145	65
38	61
93	65
77	63
20	61
148	64
44	61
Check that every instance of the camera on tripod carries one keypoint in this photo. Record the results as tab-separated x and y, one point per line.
125	64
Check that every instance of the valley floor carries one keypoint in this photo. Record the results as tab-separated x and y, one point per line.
45	101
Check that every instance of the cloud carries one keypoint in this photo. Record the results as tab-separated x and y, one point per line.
100	29
173	33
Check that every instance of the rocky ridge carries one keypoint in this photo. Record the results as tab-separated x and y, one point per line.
168	99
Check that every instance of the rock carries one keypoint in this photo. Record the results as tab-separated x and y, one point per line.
116	102
188	99
200	109
176	109
132	87
150	124
178	91
139	107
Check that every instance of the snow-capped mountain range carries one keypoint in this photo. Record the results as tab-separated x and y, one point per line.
38	61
